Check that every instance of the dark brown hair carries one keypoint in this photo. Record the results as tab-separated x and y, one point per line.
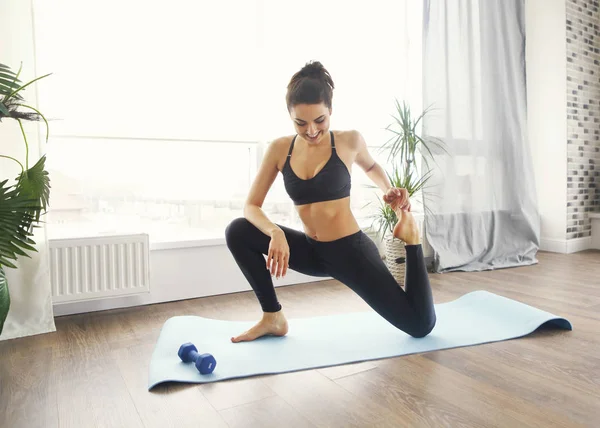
311	85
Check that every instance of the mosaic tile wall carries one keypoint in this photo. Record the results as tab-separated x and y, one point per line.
583	114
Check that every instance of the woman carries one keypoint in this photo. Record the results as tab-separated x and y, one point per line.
315	164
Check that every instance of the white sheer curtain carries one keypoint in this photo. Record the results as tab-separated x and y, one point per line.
482	193
29	285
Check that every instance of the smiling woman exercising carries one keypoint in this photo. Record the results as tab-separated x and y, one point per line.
315	164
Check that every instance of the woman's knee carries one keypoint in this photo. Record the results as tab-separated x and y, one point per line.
423	328
236	230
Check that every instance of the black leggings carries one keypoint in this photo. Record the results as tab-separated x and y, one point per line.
353	260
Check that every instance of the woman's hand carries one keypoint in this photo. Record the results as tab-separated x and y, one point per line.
279	254
397	198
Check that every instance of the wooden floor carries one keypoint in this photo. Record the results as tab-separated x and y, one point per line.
93	371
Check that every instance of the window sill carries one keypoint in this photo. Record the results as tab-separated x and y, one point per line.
192	243
202	242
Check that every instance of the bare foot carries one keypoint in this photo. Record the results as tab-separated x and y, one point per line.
406	229
272	323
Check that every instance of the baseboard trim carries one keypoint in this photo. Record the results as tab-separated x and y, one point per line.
553	245
566	246
579	244
595	219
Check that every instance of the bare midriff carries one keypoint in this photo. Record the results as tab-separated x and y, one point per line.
328	220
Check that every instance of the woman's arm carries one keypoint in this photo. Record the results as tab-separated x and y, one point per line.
394	196
364	159
267	173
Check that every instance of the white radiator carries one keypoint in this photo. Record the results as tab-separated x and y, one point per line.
99	267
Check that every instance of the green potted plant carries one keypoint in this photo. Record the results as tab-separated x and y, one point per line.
24	201
402	149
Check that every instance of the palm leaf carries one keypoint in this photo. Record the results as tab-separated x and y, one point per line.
10	86
12	248
405	141
26	116
17	214
427	145
34	184
9	80
421	116
7	73
7	85
15	92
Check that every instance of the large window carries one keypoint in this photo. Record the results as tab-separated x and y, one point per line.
161	111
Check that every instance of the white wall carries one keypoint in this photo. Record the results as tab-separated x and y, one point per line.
547	109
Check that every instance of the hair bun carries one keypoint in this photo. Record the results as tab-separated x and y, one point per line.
312	84
313	69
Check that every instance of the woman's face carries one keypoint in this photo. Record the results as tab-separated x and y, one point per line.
311	121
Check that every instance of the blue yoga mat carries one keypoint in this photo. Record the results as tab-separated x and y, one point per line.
475	318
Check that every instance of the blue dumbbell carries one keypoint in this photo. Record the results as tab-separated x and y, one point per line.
205	363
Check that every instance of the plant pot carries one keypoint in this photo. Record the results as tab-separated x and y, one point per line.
395	258
4	299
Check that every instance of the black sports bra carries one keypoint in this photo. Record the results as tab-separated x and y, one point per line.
332	182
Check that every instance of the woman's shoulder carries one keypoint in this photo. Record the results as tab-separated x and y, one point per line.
348	139
280	144
276	150
284	140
